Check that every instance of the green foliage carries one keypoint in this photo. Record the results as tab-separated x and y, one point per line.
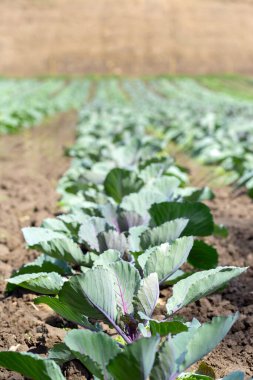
135	361
167	327
148	295
46	283
200	221
166	232
121	182
203	255
31	365
166	258
200	285
53	244
28	102
132	223
197	342
60	353
88	347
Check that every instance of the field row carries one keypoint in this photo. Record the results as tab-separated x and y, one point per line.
26	103
213	127
132	227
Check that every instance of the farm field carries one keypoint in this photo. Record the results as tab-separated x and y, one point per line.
135	201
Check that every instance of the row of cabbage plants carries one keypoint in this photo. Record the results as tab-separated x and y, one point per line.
214	127
132	223
26	103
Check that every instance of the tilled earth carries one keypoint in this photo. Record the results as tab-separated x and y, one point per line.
30	165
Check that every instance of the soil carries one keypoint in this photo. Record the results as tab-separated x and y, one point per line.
31	164
236	351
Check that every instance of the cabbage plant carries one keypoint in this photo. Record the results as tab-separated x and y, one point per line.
132	223
153	358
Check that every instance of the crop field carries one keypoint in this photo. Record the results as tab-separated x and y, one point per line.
126	242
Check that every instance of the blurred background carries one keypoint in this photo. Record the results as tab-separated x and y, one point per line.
40	37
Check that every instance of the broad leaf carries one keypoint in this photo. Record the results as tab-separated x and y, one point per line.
167	362
107	257
148	295
46	264
141	202
60	353
200	285
43	263
100	292
203	255
136	361
112	240
126	280
55	224
30	365
166	259
166	232
153	171
121	182
37	235
53	244
128	219
177	276
165	328
200	219
91	294
134	238
165	185
89	230
46	283
64	310
73	221
202	340
121	220
94	350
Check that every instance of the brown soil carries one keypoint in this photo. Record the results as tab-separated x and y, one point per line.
132	37
236	352
31	164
